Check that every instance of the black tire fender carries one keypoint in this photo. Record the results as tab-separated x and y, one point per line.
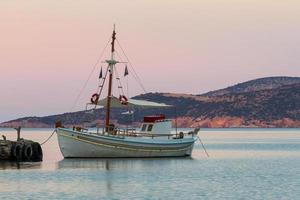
37	152
17	151
27	152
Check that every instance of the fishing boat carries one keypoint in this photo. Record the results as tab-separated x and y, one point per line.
154	138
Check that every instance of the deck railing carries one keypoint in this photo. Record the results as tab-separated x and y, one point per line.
132	132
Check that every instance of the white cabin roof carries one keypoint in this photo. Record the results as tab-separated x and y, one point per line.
115	103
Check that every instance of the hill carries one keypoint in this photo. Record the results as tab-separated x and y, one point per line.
276	105
256	85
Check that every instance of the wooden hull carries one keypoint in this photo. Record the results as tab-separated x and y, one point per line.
74	144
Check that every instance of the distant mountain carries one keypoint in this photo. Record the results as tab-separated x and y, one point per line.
267	102
256	85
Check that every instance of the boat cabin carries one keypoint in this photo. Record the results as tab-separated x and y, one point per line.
156	124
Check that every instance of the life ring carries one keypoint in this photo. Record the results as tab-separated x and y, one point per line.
95	98
123	99
27	152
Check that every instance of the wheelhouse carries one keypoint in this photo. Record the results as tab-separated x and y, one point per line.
156	124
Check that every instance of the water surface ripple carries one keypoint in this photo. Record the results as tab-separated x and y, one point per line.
243	164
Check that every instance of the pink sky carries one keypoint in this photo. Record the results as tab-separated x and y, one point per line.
48	48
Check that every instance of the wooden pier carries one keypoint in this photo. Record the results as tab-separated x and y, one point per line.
21	150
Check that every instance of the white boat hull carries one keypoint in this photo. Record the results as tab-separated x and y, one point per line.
74	144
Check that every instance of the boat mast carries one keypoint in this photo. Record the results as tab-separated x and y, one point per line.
111	64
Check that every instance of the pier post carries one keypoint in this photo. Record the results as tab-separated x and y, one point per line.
18	133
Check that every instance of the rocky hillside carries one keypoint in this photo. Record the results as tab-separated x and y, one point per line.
278	107
243	105
256	85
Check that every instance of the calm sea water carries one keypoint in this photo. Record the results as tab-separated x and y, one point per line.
243	164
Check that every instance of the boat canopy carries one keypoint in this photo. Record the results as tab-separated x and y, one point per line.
116	103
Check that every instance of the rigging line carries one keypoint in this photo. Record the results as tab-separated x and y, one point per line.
119	56
133	74
100	82
127	81
90	75
103	82
140	82
116	77
120	84
137	80
101	89
127	86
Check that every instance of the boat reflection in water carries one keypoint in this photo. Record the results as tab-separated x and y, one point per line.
121	163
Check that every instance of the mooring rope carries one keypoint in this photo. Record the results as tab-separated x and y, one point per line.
203	146
48	137
89	77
